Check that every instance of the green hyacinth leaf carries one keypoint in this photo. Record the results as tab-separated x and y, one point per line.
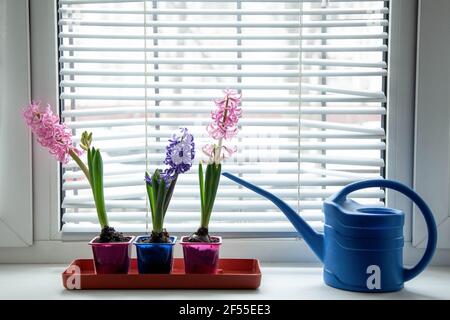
202	187
169	194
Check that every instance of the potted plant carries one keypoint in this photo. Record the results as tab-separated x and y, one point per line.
201	251
155	252
111	249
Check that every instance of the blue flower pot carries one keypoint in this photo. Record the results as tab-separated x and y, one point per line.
154	257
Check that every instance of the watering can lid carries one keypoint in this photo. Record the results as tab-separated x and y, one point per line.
352	214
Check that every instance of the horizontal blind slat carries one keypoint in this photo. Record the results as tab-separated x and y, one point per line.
190	85
193	73
248	110
244	122
281	134
203	36
250	147
262	168
237	62
219	206
186	228
69	2
185	192
222	12
279	98
306	48
176	216
226	24
269	158
285	182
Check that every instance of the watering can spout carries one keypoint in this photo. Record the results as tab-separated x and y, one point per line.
312	238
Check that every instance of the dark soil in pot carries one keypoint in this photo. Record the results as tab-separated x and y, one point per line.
157	237
202	235
109	234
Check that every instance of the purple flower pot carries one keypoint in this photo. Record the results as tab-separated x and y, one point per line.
111	257
201	257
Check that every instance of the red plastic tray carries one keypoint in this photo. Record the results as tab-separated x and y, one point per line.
233	274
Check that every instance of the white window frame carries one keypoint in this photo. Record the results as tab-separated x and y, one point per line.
400	101
48	246
16	220
432	135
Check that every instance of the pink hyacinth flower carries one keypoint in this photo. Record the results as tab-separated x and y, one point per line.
225	152
208	150
49	132
226	117
228	151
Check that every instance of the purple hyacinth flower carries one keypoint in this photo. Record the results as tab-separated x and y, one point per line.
180	154
148	179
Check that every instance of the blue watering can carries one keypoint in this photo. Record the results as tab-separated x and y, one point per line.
362	246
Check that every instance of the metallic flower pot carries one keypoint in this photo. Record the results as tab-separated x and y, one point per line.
111	257
154	257
201	257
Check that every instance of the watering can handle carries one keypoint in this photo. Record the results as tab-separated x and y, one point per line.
408	274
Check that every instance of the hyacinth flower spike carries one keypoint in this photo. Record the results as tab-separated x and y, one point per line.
57	138
223	127
52	134
180	154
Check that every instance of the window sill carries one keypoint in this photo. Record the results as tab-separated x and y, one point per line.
43	281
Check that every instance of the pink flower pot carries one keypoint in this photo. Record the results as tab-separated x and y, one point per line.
111	257
201	257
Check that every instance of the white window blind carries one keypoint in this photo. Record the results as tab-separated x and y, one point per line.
312	76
